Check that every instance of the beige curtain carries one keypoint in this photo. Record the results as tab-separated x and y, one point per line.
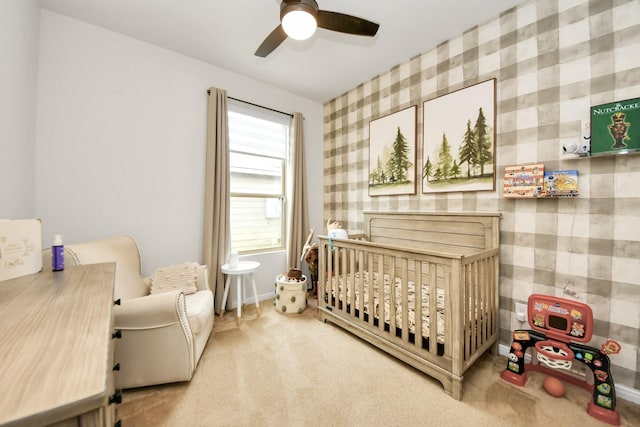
216	240
298	207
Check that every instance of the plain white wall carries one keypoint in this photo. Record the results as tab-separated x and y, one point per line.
121	142
18	80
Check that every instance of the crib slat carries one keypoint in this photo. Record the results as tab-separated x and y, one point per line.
338	274
335	273
405	300
418	303
433	309
360	285
329	270
493	290
479	306
352	281
322	273
344	264
471	307
381	311
466	274
493	295
482	320
451	337
370	265
392	296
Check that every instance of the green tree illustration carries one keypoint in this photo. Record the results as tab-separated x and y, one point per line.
398	163
376	175
445	160
455	169
437	174
483	140
427	169
468	149
386	174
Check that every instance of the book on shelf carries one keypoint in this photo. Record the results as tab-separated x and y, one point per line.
523	181
561	183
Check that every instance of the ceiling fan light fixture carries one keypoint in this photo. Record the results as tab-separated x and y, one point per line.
299	24
300	18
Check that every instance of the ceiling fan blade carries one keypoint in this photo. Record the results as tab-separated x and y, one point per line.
272	41
342	23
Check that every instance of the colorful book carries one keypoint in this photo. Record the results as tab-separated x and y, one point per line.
615	127
523	181
561	183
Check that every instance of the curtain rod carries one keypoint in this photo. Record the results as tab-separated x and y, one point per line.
260	106
255	105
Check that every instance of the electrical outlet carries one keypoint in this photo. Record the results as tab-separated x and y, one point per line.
521	312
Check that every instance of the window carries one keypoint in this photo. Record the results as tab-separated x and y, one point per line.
258	153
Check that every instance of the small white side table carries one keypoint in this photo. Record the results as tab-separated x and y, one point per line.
243	268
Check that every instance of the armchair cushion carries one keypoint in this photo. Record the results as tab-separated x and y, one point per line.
170	278
199	309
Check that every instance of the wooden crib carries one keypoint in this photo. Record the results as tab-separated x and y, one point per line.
455	254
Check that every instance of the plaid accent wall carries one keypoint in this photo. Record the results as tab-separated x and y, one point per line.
552	60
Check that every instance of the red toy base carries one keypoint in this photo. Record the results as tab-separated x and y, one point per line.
516	379
603	414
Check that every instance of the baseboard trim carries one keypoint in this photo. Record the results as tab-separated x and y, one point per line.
251	300
622	392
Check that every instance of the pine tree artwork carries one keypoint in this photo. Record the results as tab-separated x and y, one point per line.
459	140
392	141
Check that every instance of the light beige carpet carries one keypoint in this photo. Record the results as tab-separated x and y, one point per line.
293	370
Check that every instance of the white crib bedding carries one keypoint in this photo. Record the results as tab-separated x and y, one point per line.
426	318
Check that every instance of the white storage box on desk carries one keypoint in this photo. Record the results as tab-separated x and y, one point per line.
291	294
20	247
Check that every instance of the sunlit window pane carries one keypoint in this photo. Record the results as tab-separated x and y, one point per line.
256	223
259	136
258	147
256	174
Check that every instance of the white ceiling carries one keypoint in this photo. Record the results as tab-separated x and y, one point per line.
226	33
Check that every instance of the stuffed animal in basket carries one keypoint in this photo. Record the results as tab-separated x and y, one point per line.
294	274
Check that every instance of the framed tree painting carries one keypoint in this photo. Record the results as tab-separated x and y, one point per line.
459	140
392	153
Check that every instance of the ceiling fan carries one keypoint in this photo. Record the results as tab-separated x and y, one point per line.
299	19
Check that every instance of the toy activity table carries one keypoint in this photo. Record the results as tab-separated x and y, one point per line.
560	327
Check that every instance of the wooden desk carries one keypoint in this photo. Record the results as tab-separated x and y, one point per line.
56	347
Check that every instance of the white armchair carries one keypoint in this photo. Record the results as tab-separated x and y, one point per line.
163	334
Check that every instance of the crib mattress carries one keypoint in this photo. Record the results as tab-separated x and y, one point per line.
339	289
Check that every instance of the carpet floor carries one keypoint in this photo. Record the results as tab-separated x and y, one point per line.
292	370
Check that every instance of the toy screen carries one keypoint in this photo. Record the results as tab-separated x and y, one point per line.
559	323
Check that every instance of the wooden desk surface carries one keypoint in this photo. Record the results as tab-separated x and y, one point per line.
55	344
